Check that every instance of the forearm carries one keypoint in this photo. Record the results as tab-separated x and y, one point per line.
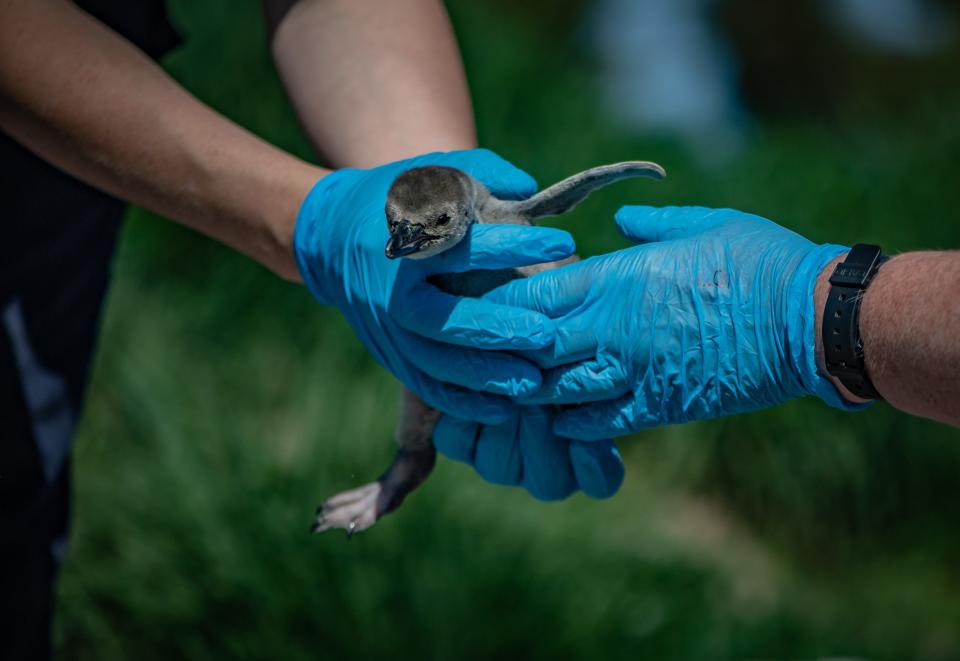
910	325
88	101
374	81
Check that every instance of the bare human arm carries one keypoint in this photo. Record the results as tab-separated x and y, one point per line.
373	81
910	325
88	101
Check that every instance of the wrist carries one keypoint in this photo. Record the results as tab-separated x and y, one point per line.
280	214
821	292
318	237
804	316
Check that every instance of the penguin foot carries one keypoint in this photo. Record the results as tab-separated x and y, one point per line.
353	511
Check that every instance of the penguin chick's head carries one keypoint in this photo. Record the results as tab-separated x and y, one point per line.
429	210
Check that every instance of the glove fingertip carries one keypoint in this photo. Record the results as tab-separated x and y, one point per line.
598	467
514	183
545	243
632	221
558	244
628	211
503	178
549	494
513	186
525	185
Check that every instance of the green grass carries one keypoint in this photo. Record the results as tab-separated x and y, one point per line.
226	404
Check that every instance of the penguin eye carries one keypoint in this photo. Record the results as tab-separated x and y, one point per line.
442	219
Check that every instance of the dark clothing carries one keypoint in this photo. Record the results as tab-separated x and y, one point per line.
145	23
57	238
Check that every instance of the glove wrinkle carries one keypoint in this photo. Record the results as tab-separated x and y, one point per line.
710	315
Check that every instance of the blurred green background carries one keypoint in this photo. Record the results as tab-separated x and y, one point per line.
226	404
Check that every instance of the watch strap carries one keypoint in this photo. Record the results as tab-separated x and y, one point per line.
842	344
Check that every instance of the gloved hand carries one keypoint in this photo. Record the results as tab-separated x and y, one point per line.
524	451
711	314
432	342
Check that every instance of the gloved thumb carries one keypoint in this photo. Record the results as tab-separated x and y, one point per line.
644	224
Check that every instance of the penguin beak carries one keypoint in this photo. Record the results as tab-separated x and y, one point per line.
406	240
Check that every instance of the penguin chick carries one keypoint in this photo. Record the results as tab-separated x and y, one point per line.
429	210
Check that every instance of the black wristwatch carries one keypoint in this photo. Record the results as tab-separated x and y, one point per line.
842	345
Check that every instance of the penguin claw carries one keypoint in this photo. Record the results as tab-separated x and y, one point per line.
354	511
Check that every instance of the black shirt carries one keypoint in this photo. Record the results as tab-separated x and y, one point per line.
47	216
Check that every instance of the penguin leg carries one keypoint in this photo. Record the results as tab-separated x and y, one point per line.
358	509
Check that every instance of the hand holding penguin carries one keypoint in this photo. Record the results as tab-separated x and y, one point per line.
432	204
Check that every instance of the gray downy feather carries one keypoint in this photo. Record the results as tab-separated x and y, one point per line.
553	201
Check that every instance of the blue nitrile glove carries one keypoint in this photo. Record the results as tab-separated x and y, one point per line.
711	314
524	451
432	342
